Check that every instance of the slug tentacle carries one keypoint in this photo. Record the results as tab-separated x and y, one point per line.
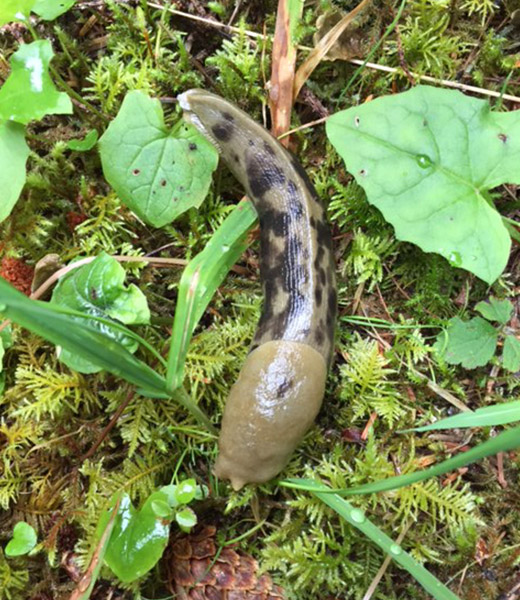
299	311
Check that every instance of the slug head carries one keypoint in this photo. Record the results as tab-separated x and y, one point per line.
270	408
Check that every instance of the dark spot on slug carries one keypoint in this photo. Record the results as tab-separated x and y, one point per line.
292	188
283	388
235	157
251	142
318	295
258	178
319	336
269	149
320	253
502	137
312	221
222	132
323	276
229	117
192	146
136	172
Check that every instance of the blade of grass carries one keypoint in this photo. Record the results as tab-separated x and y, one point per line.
199	281
497	414
356	518
505	441
64	330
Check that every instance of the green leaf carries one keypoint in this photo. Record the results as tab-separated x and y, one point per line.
162	509
468	343
186	519
427	158
13	156
15	9
511	354
201	277
159	174
185	491
23	540
50	9
138	539
358	519
63	328
6	341
497	414
495	310
87	143
97	289
28	92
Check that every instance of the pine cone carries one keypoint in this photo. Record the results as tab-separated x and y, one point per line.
195	573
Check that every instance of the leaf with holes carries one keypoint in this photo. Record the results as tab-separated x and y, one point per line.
97	289
427	158
159	174
29	92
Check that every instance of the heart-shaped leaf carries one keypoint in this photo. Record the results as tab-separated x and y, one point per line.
23	540
28	92
427	158
13	156
98	289
157	173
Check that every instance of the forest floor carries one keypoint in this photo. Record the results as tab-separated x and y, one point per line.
70	440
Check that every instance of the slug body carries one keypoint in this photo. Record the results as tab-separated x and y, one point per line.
281	385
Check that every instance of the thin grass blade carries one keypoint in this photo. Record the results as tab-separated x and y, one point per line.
199	281
65	330
358	519
497	414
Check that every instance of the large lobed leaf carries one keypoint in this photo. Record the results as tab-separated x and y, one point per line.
427	158
157	173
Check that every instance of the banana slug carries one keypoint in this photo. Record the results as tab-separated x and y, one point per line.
281	385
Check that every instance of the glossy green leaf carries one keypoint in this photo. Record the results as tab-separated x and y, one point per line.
50	9
138	539
497	414
186	519
28	92
495	310
358	519
201	278
468	343
98	289
157	173
11	10
23	540
503	442
63	328
86	144
185	491
13	157
427	158
511	354
162	509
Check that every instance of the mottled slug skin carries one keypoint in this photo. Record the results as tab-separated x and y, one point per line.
281	385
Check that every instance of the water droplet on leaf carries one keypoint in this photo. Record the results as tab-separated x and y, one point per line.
395	549
455	259
423	161
3	308
358	516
